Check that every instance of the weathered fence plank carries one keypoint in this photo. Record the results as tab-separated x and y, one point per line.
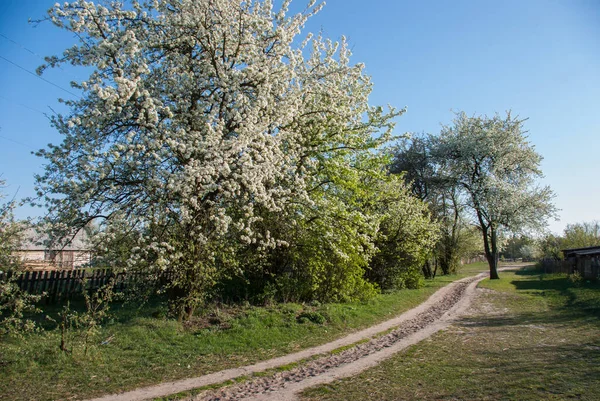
58	285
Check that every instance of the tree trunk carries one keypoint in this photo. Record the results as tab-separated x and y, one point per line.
493	258
179	306
427	269
490	247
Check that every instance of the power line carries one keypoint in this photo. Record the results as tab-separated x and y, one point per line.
23	105
37	76
21	46
31	51
18	143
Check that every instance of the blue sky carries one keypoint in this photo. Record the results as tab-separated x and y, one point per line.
539	58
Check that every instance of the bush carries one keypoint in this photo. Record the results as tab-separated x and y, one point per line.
314	317
575	278
14	303
405	240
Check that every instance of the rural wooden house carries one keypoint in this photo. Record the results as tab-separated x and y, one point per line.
36	254
584	260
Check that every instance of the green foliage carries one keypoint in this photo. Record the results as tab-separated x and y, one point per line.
470	244
578	235
550	246
529	252
309	316
80	330
363	231
405	240
15	305
575	278
581	235
513	247
11	235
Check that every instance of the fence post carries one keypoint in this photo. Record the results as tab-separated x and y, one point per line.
24	281
63	284
51	285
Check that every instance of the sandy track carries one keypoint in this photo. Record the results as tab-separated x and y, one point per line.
285	385
409	328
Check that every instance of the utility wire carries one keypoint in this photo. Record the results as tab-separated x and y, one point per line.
23	105
37	76
32	52
19	143
21	46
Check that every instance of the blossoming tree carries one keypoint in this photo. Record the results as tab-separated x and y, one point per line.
493	164
197	117
414	159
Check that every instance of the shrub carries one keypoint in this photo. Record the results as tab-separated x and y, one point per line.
310	316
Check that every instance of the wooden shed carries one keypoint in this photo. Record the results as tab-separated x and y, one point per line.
584	260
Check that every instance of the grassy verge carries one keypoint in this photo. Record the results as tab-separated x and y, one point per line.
137	348
533	337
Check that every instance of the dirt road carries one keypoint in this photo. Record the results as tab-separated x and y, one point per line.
375	344
285	385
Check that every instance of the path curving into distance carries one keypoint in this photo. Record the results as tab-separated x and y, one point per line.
444	306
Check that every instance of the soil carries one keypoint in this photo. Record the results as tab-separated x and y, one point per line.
285	385
433	315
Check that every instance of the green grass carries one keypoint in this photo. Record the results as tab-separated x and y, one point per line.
146	349
533	337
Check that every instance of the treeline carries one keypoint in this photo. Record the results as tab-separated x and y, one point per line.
356	238
578	235
550	245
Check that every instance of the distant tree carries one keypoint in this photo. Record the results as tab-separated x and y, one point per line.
581	235
513	245
550	246
529	252
416	162
577	235
470	245
493	164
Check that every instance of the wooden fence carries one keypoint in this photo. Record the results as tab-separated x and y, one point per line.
556	266
63	284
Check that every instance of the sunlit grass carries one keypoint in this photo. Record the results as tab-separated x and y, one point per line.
533	337
145	349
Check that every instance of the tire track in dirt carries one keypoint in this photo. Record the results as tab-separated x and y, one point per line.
284	385
408	328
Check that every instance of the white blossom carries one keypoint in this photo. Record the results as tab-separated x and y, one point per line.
200	113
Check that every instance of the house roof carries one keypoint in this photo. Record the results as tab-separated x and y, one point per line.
38	241
590	250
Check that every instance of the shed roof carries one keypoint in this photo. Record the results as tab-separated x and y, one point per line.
590	250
